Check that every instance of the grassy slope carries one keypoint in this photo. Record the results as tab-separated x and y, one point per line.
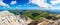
33	14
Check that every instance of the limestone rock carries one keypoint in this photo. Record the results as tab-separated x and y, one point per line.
7	18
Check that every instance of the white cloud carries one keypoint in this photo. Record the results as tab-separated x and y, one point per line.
41	3
13	2
53	2
44	4
3	4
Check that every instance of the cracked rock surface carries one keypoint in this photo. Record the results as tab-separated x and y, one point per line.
7	18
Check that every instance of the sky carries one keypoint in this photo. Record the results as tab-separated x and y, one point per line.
30	4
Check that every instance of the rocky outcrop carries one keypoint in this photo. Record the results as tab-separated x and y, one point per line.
7	18
45	22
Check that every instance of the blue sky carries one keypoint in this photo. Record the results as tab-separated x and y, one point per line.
30	4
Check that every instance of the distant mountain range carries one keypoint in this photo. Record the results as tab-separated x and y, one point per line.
54	11
49	11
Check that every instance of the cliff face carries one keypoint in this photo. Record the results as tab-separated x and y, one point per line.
7	18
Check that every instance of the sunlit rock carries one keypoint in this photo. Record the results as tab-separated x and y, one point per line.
7	18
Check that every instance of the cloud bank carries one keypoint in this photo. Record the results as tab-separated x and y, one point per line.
3	4
44	4
53	2
41	3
